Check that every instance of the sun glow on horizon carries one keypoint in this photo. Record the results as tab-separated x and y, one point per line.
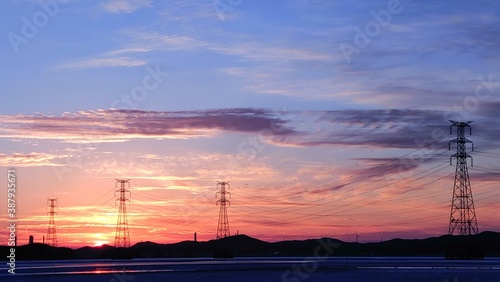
98	243
100	240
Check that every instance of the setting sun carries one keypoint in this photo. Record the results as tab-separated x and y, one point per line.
100	243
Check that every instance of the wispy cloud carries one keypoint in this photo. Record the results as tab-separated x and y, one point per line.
169	41
28	159
103	63
182	11
125	6
123	124
396	128
259	51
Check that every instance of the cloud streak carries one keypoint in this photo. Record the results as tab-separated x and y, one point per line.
125	6
396	128
117	124
103	63
28	159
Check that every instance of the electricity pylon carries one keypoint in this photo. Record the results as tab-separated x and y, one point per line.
463	215
223	225
51	230
122	238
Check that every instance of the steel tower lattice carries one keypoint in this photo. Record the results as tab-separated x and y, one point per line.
51	230
223	225
122	238
463	215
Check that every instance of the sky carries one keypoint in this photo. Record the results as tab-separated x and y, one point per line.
327	118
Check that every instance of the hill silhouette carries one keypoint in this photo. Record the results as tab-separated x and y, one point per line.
245	246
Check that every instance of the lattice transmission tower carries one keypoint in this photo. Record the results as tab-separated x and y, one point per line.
463	215
122	238
51	230
223	225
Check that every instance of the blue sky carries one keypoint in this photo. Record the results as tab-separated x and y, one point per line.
289	95
253	54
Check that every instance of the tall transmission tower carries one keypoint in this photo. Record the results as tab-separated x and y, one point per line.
463	215
51	230
122	238
223	225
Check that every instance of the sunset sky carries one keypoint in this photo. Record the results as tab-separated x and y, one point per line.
328	118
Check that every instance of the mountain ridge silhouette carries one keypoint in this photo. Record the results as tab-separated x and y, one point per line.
245	246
